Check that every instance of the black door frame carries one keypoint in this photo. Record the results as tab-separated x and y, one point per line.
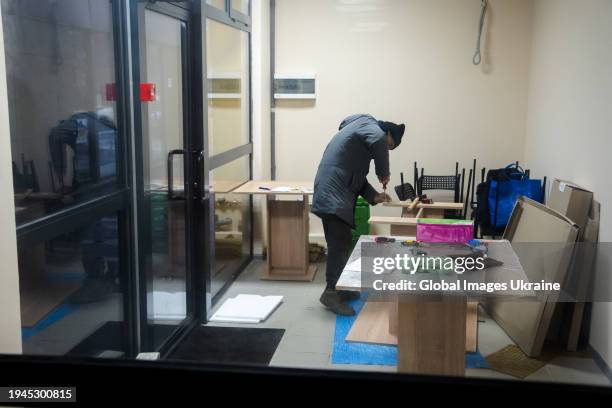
200	200
195	199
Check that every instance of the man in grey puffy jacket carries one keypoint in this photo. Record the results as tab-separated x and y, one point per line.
340	179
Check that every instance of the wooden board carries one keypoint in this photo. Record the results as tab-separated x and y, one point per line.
374	325
400	226
584	262
527	323
431	335
39	302
288	252
403	230
253	187
438	206
400	221
224	186
288	225
471	327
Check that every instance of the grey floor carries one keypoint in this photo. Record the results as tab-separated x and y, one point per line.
309	329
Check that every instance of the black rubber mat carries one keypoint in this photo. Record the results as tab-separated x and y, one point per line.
229	345
112	337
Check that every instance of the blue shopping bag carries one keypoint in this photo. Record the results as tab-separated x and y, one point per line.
504	193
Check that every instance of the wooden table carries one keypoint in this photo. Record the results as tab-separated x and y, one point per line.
431	331
287	227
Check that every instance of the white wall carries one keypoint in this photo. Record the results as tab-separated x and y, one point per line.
569	125
10	318
405	61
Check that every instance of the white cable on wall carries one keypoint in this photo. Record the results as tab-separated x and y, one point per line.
483	12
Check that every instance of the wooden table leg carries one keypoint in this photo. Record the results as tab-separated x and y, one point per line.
431	335
288	252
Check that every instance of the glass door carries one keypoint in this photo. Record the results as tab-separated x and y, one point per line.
165	207
228	137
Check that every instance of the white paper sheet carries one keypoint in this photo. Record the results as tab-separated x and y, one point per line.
247	309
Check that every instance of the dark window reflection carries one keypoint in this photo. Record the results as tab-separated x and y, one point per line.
71	297
61	88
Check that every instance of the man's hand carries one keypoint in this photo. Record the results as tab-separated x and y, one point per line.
382	198
384	180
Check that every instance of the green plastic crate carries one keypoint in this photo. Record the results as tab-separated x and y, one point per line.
362	218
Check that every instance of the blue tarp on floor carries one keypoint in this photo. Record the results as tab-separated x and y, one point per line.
371	354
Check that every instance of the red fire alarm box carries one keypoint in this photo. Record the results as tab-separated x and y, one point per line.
147	92
111	93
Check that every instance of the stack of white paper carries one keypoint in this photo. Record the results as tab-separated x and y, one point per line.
247	309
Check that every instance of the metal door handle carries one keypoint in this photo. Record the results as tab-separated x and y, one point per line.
171	174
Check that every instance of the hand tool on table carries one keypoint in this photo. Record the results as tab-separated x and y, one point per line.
384	240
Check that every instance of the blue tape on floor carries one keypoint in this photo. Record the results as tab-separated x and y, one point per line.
359	353
56	315
371	354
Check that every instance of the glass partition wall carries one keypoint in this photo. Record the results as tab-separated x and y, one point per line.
130	126
229	144
69	140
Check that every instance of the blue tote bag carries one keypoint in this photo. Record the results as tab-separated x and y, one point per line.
504	193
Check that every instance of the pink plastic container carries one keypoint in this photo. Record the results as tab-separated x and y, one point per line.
445	231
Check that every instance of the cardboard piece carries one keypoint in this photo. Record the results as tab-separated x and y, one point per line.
572	201
527	323
577	204
583	269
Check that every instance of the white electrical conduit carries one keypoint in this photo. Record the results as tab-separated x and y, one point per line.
483	12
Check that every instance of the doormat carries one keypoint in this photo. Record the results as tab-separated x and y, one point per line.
344	352
111	339
228	345
512	361
110	336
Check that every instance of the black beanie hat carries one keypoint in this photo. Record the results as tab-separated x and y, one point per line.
397	131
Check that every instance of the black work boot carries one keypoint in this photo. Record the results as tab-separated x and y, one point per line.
348	296
331	299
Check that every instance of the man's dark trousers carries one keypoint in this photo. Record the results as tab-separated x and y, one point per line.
338	237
